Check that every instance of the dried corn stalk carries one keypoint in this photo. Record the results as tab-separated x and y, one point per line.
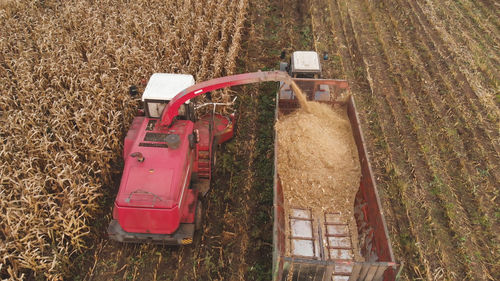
65	67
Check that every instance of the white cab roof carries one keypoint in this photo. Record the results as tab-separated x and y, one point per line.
164	86
305	61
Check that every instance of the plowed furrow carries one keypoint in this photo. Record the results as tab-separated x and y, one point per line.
434	163
478	59
451	145
453	98
489	8
465	129
440	128
459	179
483	22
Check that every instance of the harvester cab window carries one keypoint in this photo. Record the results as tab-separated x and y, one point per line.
162	88
155	108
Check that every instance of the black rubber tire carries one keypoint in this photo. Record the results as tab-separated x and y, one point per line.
213	160
194	178
198	216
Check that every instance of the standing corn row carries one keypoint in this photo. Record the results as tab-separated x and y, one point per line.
65	67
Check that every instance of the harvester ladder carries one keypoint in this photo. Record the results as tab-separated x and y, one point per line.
204	164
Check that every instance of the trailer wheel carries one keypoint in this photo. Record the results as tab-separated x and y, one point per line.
198	216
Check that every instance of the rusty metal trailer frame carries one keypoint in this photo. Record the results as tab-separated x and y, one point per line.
374	241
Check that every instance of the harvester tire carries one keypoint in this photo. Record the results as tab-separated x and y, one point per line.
213	161
198	216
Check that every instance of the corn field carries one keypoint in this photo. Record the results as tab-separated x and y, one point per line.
65	70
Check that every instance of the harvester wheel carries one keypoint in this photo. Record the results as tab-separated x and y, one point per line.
214	157
198	216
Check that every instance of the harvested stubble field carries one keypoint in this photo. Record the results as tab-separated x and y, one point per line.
425	76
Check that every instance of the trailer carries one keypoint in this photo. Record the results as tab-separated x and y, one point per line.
307	247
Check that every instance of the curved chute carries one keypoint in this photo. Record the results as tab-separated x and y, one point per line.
172	108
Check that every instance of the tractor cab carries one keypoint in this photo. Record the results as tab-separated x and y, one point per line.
304	65
161	88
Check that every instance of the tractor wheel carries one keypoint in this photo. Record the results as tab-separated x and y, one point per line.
198	216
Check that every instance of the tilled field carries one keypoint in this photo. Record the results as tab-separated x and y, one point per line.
425	77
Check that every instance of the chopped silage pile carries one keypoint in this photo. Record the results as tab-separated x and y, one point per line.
318	162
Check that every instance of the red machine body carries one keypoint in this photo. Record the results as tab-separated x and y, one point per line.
169	157
168	161
152	193
158	194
